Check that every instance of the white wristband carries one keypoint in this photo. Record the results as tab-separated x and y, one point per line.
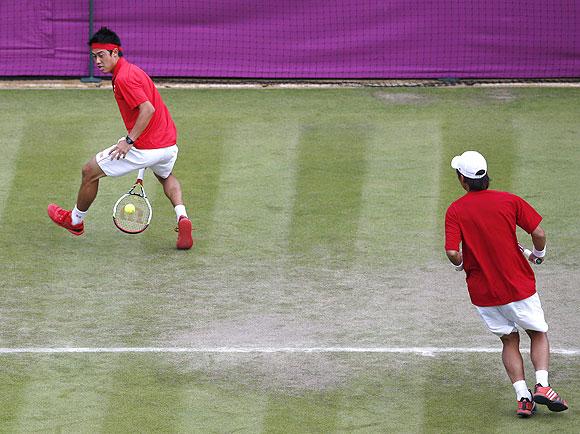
539	253
459	267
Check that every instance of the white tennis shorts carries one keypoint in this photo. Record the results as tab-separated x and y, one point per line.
160	161
526	313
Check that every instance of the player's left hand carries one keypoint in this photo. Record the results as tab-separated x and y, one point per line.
120	149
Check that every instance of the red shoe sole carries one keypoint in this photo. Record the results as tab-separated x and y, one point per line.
184	238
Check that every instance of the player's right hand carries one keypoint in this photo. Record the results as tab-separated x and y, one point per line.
120	149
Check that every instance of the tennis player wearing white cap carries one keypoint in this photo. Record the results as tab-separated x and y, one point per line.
500	281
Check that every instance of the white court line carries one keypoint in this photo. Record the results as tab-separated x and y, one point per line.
423	351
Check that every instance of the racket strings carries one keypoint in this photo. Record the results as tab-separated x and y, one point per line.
135	221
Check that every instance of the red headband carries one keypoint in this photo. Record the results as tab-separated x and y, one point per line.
97	45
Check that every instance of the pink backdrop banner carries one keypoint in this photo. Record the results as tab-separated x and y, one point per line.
300	38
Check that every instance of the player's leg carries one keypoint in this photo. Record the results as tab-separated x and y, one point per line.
512	358
163	170
506	330
172	189
529	315
514	366
99	166
91	174
540	355
539	350
162	162
73	220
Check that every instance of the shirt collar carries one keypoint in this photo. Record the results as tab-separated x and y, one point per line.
120	63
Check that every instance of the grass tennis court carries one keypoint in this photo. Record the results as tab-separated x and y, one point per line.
319	216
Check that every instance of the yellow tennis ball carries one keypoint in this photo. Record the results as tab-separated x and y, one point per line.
129	208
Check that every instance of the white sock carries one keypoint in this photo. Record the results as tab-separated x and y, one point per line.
522	390
180	211
77	216
542	378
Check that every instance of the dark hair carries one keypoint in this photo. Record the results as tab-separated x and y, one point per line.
475	184
106	36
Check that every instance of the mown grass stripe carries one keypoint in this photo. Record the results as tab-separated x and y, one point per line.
46	169
330	177
11	133
394	171
256	190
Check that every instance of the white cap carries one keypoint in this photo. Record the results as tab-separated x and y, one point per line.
470	164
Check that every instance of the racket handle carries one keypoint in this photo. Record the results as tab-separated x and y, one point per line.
527	253
140	175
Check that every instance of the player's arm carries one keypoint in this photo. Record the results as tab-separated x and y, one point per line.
146	111
529	220
456	258
453	238
539	242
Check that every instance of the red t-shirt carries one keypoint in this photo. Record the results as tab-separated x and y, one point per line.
485	223
132	86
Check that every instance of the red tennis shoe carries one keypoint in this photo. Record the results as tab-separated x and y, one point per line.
184	238
62	217
526	408
548	396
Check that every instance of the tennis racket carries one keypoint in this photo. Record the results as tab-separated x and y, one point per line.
527	253
132	212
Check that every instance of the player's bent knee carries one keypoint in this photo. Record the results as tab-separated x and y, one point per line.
506	334
91	171
163	180
160	178
537	333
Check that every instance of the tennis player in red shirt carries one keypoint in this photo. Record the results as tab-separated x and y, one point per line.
150	141
500	281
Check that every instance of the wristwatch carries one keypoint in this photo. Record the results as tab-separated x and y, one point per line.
129	140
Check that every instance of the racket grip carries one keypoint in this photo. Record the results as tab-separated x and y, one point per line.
141	174
527	253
